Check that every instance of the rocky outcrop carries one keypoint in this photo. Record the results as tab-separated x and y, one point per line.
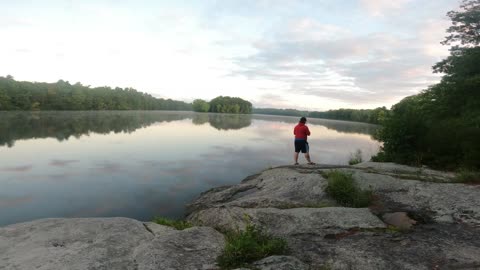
280	263
418	220
279	188
106	243
284	222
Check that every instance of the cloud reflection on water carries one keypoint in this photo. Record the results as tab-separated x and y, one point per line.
15	201
23	168
62	162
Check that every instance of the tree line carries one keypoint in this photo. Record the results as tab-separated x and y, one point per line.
20	95
372	116
17	95
440	126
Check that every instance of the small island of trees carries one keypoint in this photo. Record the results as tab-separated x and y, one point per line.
223	104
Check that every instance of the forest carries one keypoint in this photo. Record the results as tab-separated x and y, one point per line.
18	95
440	127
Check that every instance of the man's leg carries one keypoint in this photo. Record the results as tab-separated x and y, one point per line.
307	156
295	157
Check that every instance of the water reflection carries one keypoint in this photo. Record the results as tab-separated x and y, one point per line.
223	121
63	125
340	126
142	164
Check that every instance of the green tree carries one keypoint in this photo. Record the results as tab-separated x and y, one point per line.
227	104
441	125
200	105
465	26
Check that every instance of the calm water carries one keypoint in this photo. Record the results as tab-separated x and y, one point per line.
142	164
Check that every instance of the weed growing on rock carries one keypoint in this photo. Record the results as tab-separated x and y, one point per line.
244	247
342	187
177	224
355	158
467	176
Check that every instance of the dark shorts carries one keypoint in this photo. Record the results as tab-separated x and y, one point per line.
301	145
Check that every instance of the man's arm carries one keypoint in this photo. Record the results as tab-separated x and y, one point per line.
308	131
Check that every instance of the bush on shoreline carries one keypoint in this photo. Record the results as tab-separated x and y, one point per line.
356	157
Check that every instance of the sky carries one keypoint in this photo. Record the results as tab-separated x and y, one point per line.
302	54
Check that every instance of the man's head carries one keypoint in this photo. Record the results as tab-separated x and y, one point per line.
303	120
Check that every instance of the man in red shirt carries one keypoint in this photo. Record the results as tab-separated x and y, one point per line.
301	133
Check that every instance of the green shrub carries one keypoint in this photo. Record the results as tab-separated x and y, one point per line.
244	247
177	224
381	156
342	187
356	157
467	176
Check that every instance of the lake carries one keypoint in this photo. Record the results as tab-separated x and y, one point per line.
142	164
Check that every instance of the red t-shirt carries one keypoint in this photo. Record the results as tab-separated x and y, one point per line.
301	131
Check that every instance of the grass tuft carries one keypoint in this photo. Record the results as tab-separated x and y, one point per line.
245	247
467	176
342	187
356	157
177	224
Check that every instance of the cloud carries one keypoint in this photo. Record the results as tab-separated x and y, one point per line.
271	100
268	47
372	68
382	7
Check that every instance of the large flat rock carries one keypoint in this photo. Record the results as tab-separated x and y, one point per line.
279	188
283	222
404	171
443	202
434	246
398	187
444	217
106	243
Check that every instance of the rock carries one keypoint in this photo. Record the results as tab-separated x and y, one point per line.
403	171
399	219
283	222
280	263
106	243
156	228
193	248
303	186
453	246
279	188
446	234
442	202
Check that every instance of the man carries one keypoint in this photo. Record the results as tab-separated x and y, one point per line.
301	133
